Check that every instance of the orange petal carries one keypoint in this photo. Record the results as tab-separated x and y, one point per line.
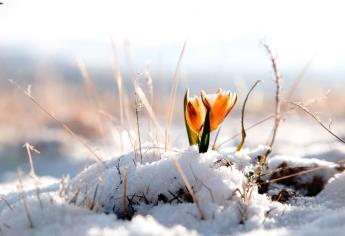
195	114
206	101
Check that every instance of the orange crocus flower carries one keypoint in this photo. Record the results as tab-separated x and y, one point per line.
219	106
195	113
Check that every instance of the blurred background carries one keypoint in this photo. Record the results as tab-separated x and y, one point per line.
69	54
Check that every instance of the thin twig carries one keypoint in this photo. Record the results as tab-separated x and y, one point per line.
189	188
239	147
299	105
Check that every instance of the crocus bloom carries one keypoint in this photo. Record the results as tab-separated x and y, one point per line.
195	113
219	106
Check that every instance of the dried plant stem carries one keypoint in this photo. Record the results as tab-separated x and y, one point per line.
138	130
172	98
23	197
148	107
91	92
299	79
215	139
149	83
118	79
318	120
309	102
189	188
246	129
30	148
277	117
124	197
6	202
239	147
64	126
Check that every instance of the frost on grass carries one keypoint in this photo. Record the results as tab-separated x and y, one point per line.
158	203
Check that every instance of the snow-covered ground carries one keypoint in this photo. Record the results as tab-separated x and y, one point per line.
157	201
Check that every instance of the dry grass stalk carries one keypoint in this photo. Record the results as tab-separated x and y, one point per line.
63	187
91	92
74	197
318	120
239	147
269	117
118	79
203	184
172	97
23	197
138	106
298	80
38	194
149	84
30	148
277	117
148	107
91	204
189	188
216	138
2	198
124	197
64	126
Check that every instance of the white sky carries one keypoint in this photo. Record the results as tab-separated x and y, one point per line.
298	29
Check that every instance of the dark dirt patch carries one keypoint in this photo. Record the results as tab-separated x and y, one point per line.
306	186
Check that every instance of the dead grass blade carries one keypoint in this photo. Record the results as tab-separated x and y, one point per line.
189	188
239	147
118	79
64	126
148	107
172	97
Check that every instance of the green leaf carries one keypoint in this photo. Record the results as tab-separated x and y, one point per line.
205	136
192	136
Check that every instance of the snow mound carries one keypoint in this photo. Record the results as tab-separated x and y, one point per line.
150	191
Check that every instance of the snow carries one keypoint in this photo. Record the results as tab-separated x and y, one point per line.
230	203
